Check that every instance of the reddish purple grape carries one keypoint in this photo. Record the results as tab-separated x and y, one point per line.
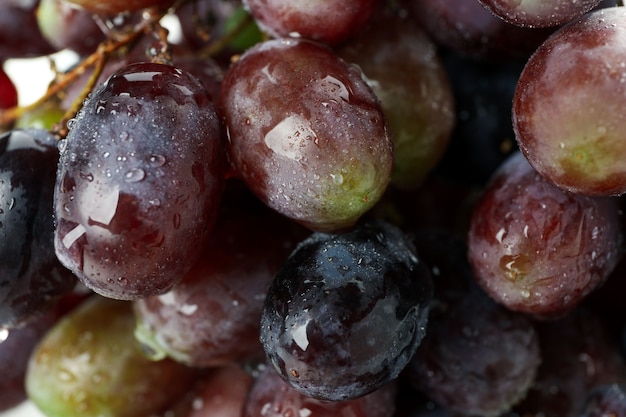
543	13
212	316
567	106
346	312
538	249
219	391
140	182
329	21
271	396
306	133
31	277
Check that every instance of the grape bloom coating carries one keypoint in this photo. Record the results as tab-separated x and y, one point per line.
306	133
347	311
139	182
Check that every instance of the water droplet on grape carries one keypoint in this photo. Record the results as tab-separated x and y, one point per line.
157	160
4	335
135	175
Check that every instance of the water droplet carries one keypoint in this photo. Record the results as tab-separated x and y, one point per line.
135	175
88	177
157	160
106	154
11	204
124	135
71	123
4	335
337	178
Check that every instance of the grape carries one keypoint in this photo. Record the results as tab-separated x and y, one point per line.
346	312
306	133
608	400
271	396
203	21
88	365
31	277
539	13
212	316
578	355
220	391
404	69
20	36
113	7
538	249
8	92
16	346
139	182
467	27
66	27
565	109
329	21
477	357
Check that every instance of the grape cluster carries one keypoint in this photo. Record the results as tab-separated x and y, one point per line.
374	208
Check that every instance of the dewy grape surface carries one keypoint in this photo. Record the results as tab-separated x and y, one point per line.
274	208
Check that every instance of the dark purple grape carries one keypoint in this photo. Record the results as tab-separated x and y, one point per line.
404	69
332	23
31	277
538	249
139	182
20	36
566	109
467	27
89	365
544	13
16	346
606	401
578	355
477	358
212	316
271	396
346	312
306	133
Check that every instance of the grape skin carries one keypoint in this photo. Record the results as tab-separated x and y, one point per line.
327	21
566	108
31	277
346	312
543	13
139	182
538	249
306	133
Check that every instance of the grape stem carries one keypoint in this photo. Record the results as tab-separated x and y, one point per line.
95	60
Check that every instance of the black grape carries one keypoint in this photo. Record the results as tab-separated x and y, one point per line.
346	312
